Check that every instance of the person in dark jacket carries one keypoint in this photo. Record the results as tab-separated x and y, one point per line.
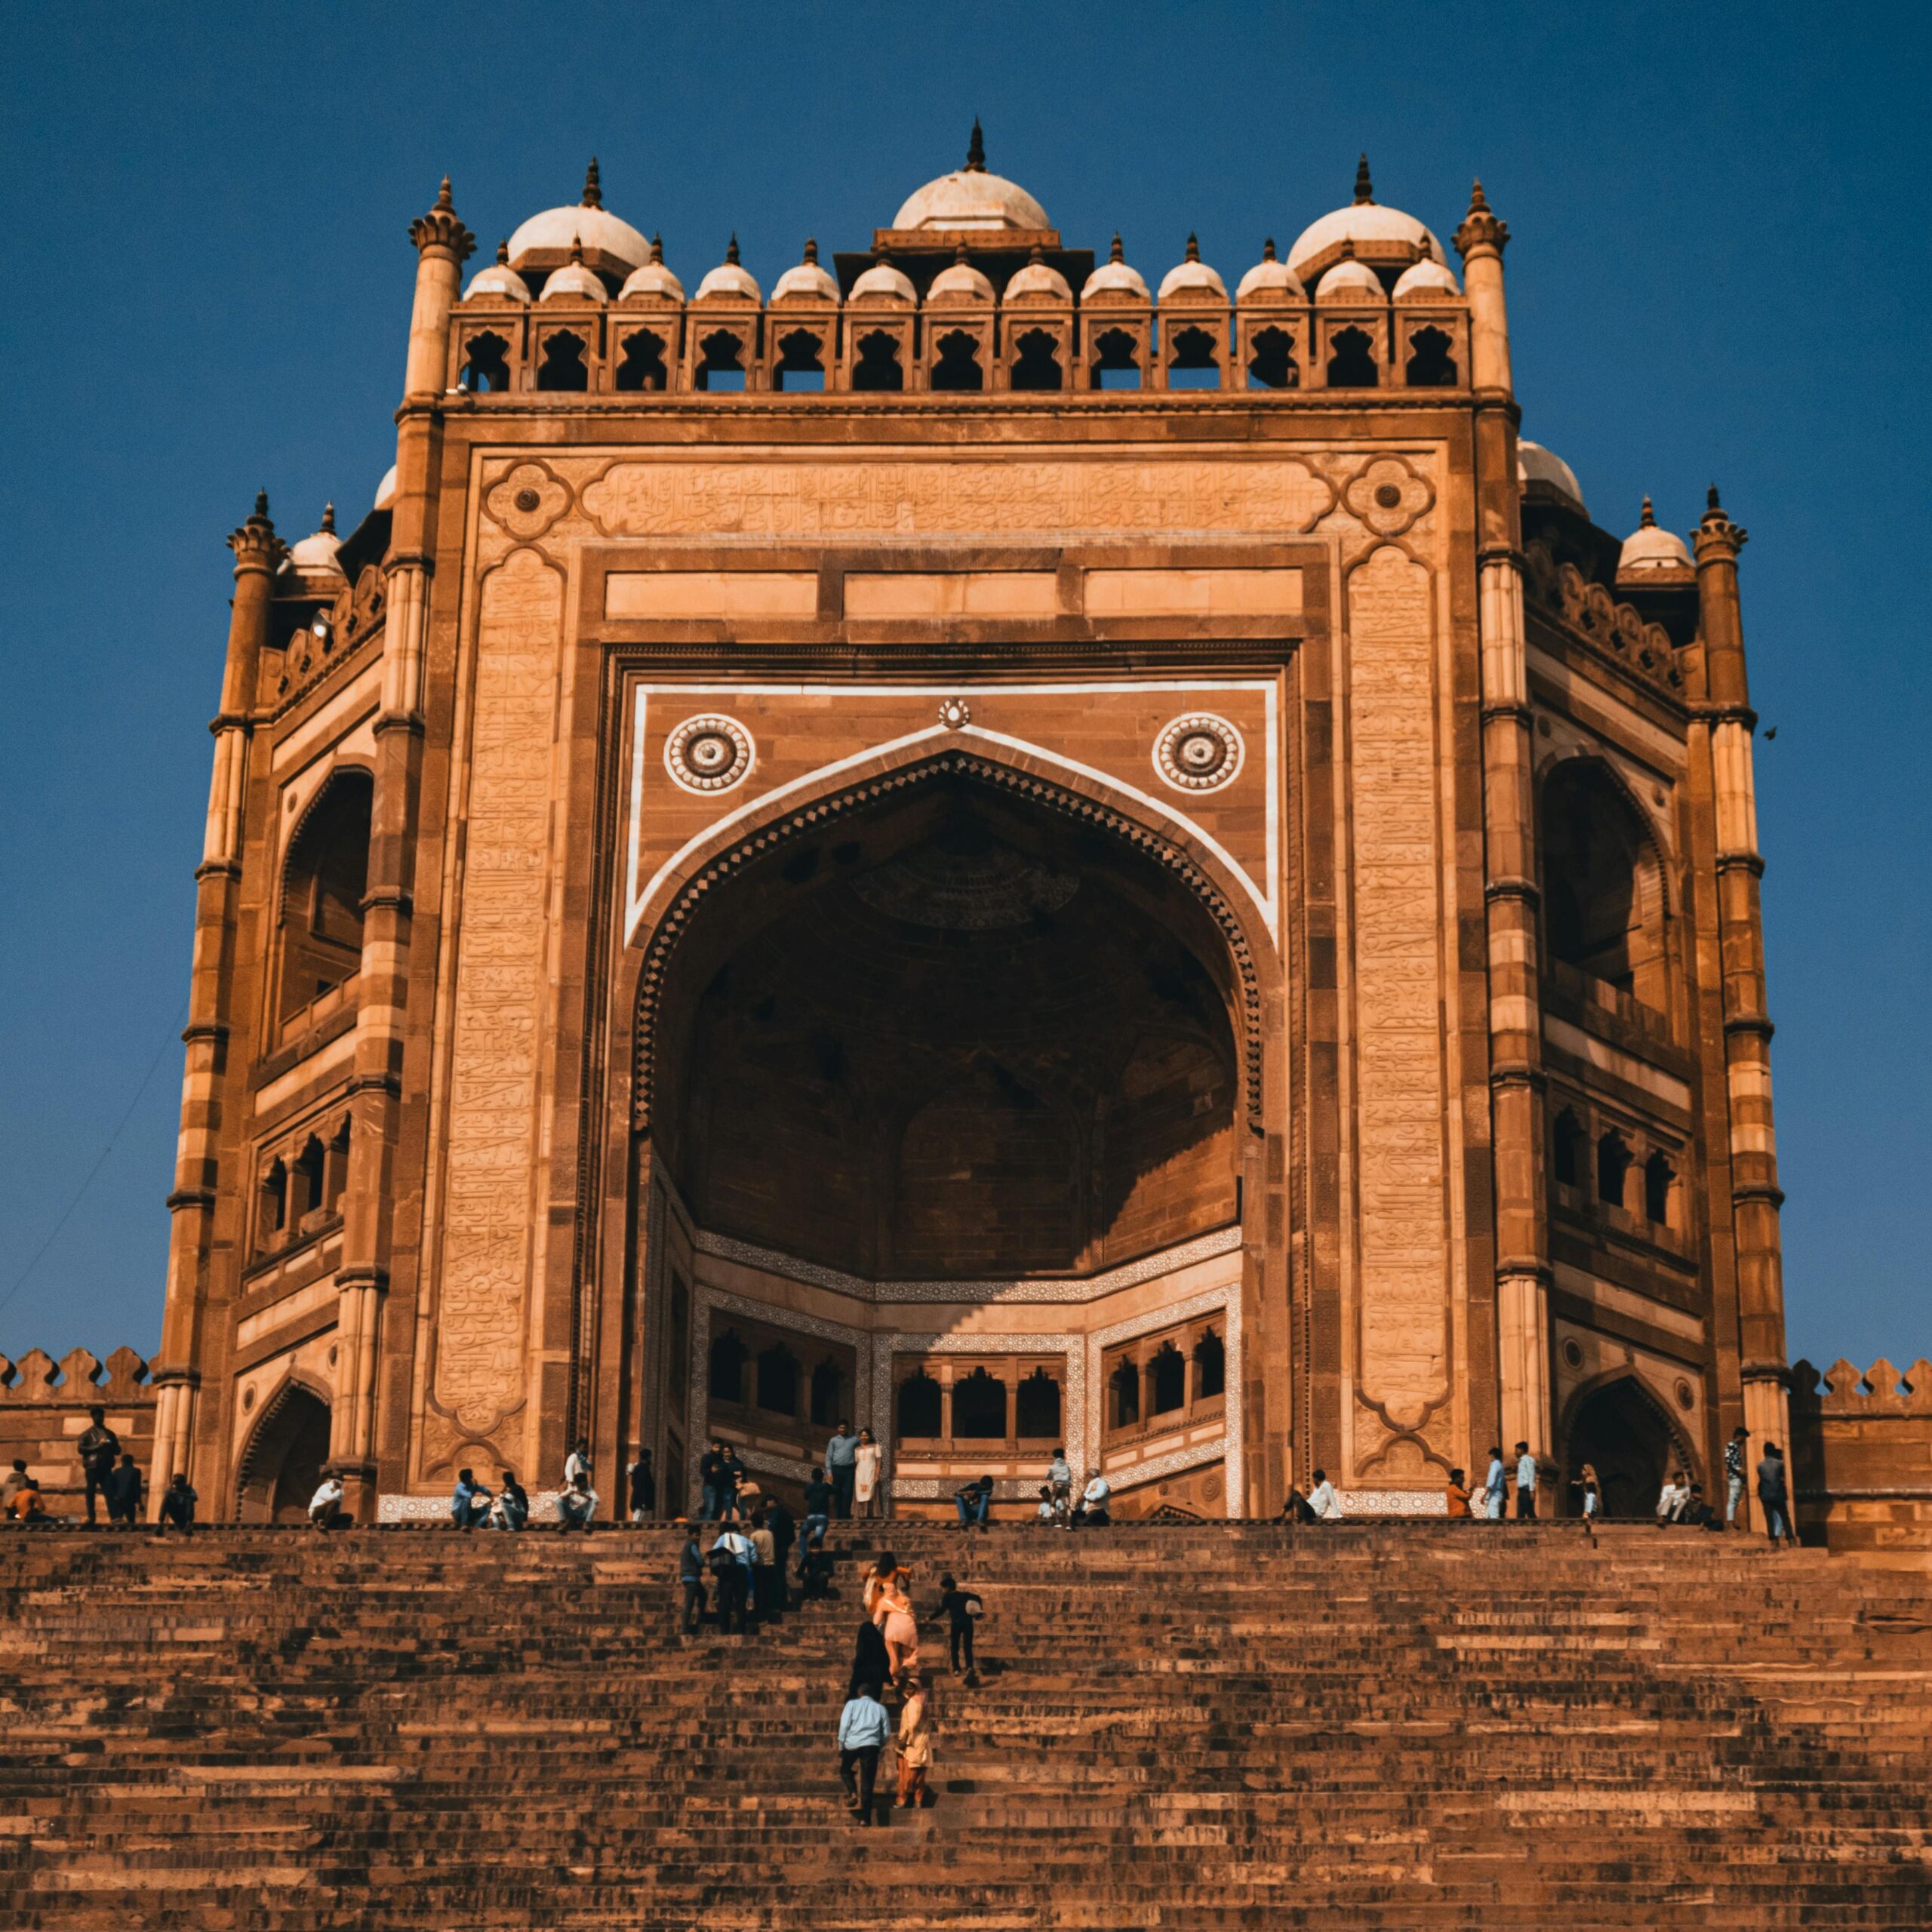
177	1505
870	1664
960	1609
643	1488
1774	1497
124	1493
691	1574
784	1532
99	1450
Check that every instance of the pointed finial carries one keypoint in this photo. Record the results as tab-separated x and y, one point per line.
959	254
1648	521
1711	499
262	502
1479	201
503	253
1193	246
593	187
657	248
1267	249
1479	228
328	519
444	206
440	229
975	150
731	251
1035	254
1116	254
811	250
576	249
1364	188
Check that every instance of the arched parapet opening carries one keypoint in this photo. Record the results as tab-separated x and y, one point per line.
1617	1424
282	1458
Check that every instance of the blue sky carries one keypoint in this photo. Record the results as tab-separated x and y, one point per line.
1721	244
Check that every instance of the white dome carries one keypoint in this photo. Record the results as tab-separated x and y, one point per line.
883	282
499	279
385	489
971	198
602	234
1193	276
959	281
1349	280
729	280
806	282
1535	464
315	554
1647	548
1038	281
572	282
1270	280
1425	281
652	279
1377	232
1114	279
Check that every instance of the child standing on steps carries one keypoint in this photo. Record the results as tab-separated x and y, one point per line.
960	1609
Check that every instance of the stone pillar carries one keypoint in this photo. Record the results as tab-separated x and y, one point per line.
1515	1018
1755	1196
442	245
258	554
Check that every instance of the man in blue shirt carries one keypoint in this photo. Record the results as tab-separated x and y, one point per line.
842	1457
863	1727
1493	1485
1526	1485
469	1501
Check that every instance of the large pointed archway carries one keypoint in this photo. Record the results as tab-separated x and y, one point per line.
949	1091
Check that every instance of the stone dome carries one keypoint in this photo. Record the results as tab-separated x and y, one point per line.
971	198
386	490
1114	280
572	282
1377	232
882	282
1193	276
1648	548
1425	281
1539	468
1038	281
314	554
728	280
806	282
499	279
604	238
1349	280
959	281
1270	280
652	279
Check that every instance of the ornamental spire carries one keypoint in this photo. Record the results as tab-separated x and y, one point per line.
1364	188
1480	228
731	250
1267	249
1116	253
1193	246
440	227
975	150
1648	520
593	187
811	250
255	544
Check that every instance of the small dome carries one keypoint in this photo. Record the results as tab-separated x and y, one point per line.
1113	280
1038	281
1538	466
572	282
728	281
1647	548
808	282
1270	280
959	281
604	236
1425	281
315	556
499	279
971	198
385	489
882	282
1377	232
653	278
1193	276
1349	280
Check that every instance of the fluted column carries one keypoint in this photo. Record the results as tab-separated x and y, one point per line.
1755	1196
1515	1018
442	244
258	554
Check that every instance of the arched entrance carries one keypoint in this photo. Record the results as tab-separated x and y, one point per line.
951	1045
1621	1430
283	1464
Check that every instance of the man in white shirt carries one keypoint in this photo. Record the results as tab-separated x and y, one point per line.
1093	1501
1526	1485
1323	1500
326	1504
1669	1500
734	1577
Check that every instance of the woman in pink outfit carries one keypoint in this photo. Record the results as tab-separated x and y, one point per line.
897	1625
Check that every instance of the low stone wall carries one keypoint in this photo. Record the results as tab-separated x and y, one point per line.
1862	1459
44	1407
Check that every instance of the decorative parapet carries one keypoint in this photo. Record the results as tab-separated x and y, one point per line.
1880	1390
80	1377
1615	632
332	636
44	1407
1861	1459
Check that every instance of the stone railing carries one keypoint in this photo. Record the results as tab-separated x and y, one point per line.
1861	1458
44	1407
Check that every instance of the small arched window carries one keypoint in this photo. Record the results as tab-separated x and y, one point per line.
1352	361
274	1216
324	880
729	1354
1431	366
958	367
486	367
1037	1407
828	1393
1271	361
1115	365
979	1408
1613	1169
801	364
1191	361
1567	1139
1123	1386
1602	889
721	362
919	1406
778	1381
307	1189
877	367
1210	1367
335	1172
1658	1178
563	367
1036	360
641	366
1167	1381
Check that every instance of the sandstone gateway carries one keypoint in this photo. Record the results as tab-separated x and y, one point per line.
983	842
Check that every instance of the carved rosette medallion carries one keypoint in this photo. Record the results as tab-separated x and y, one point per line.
527	500
1388	496
1199	753
708	753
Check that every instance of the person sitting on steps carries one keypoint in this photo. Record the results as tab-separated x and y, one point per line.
469	1501
1093	1513
325	1505
511	1511
1456	1498
974	1502
576	1507
177	1505
1297	1508
1323	1499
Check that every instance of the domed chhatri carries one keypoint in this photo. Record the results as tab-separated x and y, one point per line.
1350	281
959	281
972	198
882	282
1426	280
1383	238
1114	280
1038	281
1270	280
653	281
315	556
1191	276
1651	547
499	280
1542	472
805	281
611	249
729	281
574	282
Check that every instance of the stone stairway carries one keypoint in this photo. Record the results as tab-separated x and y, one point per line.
1200	1726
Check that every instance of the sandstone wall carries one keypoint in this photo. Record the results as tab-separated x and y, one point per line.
1862	1459
44	1407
